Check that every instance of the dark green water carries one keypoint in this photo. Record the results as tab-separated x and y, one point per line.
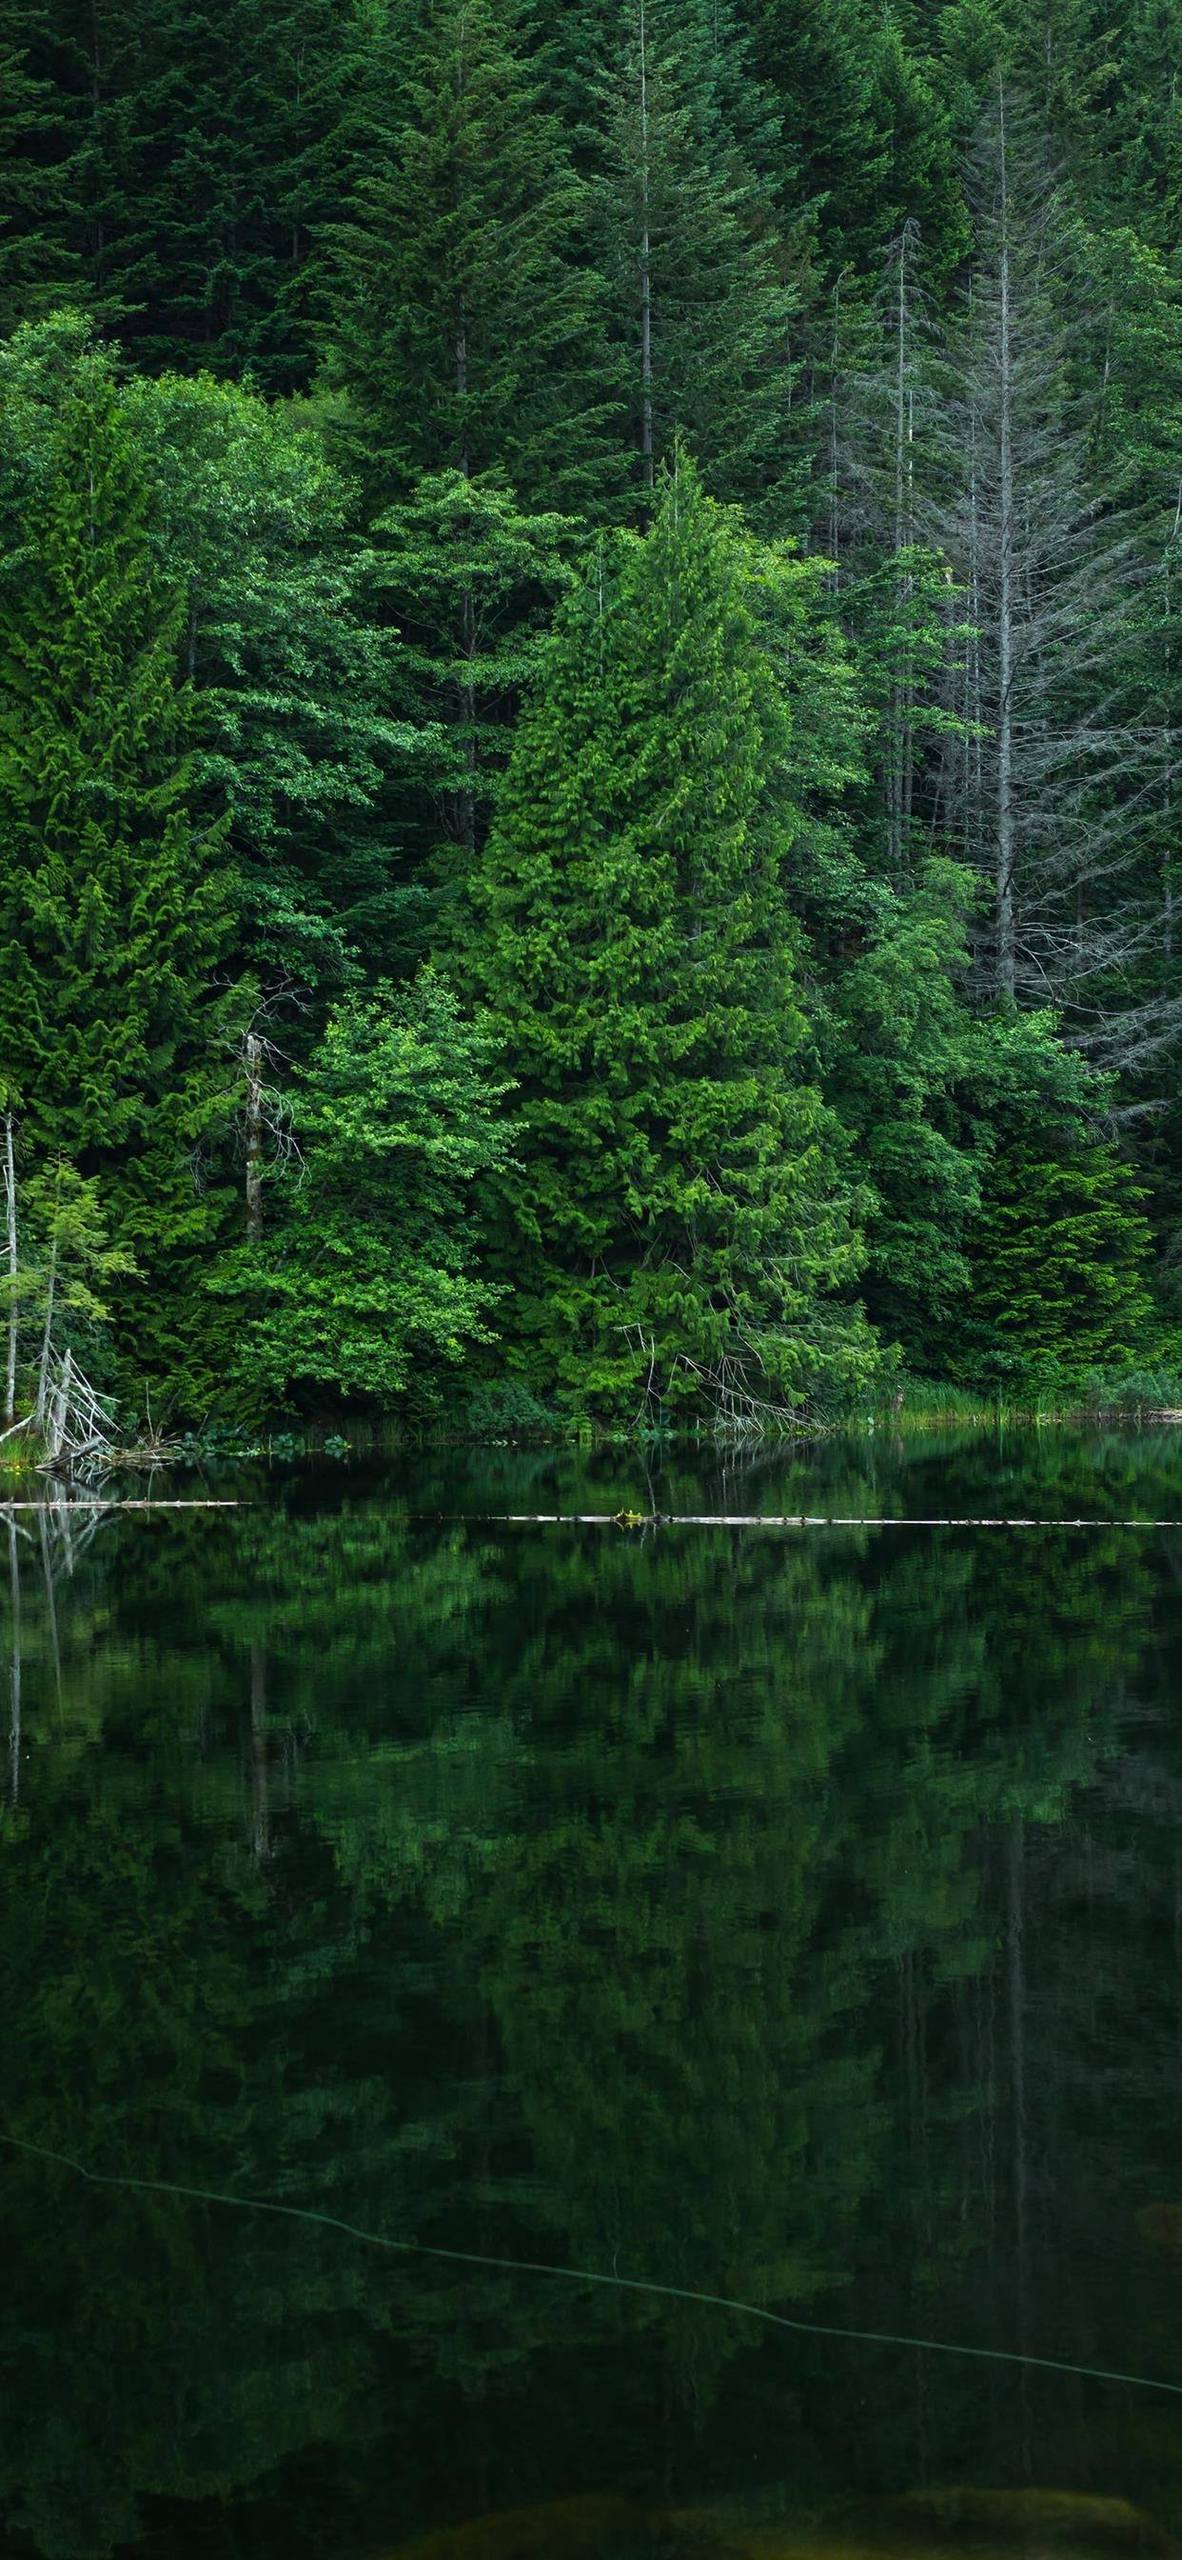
791	1916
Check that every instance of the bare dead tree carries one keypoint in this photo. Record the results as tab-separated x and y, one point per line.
1055	788
885	439
259	1108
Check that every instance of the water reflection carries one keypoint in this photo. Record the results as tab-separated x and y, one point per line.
792	1919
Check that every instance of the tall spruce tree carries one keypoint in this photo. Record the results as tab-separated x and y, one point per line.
115	906
470	577
702	297
680	1234
297	685
40	257
186	156
469	327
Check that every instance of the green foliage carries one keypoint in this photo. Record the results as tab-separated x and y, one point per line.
902	1054
701	301
39	267
115	899
679	1225
470	579
343	340
1059	1245
296	688
67	1276
367	1286
467	332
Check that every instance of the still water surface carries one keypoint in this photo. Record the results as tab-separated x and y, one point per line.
787	1916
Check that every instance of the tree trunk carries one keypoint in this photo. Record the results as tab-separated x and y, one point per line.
46	1338
902	746
56	1427
10	1203
253	1060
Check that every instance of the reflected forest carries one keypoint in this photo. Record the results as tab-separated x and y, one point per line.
787	1919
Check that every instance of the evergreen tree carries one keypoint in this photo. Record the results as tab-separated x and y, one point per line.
114	904
191	153
40	259
820	64
679	1226
702	300
468	330
470	578
366	1287
297	688
902	1054
1059	1246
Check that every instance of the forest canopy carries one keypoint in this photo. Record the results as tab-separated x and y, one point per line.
588	694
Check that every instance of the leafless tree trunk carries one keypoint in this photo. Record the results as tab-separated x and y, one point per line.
46	1338
902	766
253	1063
1053	794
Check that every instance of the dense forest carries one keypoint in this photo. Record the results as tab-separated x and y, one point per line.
590	652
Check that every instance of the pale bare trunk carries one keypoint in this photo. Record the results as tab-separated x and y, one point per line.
902	757
46	1337
973	775
253	1059
1167	859
834	474
57	1421
13	1320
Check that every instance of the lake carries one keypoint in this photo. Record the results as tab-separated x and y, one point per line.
738	1921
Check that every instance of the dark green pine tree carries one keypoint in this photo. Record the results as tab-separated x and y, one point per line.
820	64
40	250
702	291
197	158
114	907
469	332
1141	132
867	141
471	578
679	1235
1059	1247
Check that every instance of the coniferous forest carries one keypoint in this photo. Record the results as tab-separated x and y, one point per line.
590	660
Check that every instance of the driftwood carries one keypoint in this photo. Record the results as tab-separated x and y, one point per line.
791	1520
77	1423
98	1502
